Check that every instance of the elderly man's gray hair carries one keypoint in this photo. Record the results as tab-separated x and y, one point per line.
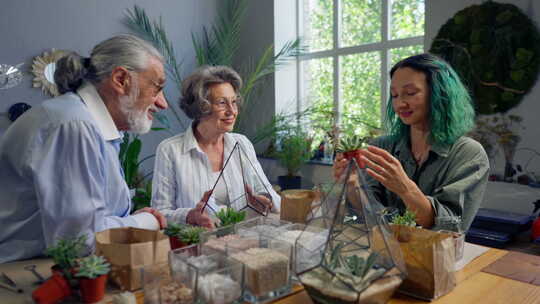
127	51
196	89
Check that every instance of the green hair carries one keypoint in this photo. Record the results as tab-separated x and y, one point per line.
451	110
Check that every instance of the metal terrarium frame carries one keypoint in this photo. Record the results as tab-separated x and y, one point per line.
347	252
258	204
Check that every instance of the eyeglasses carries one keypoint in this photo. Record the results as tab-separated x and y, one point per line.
222	104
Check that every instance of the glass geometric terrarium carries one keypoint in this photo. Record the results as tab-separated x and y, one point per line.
255	188
347	252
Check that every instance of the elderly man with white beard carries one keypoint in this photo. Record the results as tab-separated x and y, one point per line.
60	176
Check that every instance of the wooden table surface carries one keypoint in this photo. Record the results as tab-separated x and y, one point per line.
473	285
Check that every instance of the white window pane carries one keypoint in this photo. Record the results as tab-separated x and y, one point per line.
361	92
407	18
361	22
317	24
403	52
317	93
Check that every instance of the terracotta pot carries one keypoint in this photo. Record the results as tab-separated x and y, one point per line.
356	155
176	243
93	290
54	290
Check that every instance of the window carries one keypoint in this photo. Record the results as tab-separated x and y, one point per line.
351	46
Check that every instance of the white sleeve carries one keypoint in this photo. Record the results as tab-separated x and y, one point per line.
164	190
67	168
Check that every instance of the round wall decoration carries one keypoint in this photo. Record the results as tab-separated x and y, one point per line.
43	68
495	48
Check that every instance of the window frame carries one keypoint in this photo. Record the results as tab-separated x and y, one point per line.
383	47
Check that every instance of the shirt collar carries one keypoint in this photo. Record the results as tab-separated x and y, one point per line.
191	143
404	145
98	111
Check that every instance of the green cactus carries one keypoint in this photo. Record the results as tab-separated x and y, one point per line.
92	267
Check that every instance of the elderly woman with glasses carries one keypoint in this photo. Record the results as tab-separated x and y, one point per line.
193	175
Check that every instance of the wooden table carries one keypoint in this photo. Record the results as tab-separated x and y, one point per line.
473	286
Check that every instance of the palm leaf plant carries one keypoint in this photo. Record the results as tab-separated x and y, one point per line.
216	46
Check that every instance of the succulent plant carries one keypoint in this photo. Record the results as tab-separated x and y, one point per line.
350	143
66	252
229	216
174	229
92	267
407	219
191	234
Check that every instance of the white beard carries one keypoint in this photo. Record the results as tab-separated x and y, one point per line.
137	120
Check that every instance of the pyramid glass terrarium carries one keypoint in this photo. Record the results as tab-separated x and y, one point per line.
347	252
255	187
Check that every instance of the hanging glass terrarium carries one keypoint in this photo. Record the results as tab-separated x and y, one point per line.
347	252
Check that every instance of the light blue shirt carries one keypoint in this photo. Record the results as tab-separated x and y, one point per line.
60	175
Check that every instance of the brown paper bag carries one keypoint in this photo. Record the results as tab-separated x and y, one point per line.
429	257
129	250
296	204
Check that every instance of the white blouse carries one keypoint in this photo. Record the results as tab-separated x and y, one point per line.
183	172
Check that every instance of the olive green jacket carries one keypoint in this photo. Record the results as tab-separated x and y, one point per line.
453	178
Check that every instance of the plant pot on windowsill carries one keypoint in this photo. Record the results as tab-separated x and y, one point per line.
290	182
54	290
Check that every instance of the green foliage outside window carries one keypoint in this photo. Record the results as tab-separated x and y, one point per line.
360	73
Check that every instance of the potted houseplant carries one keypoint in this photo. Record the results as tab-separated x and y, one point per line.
183	235
408	219
53	290
65	254
350	146
92	273
294	150
173	232
227	218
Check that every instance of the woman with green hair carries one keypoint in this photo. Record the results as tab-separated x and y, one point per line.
425	162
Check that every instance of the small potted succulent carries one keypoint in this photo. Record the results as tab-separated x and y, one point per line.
350	146
408	219
53	290
183	235
92	273
173	232
227	218
65	254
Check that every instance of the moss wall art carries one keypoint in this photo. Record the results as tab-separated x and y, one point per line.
495	48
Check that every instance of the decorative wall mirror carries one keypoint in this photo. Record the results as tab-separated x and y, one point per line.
10	76
43	68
